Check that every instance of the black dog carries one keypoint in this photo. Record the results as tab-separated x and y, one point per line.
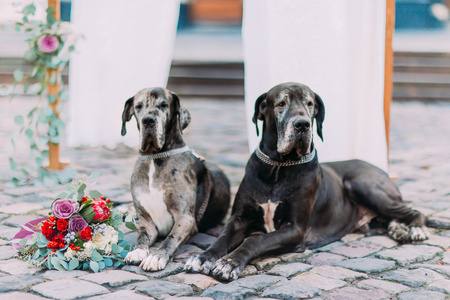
175	192
287	201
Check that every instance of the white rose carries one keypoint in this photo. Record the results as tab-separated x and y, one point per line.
104	241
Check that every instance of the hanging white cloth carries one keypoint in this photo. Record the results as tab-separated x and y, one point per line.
128	46
334	47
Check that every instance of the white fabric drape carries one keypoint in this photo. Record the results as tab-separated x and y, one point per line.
128	46
334	47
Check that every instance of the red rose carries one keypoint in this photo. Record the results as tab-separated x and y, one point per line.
59	239
61	224
50	233
85	234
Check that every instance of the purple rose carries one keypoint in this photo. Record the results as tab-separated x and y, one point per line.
48	43
64	208
77	223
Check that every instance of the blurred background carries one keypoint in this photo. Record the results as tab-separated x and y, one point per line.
208	62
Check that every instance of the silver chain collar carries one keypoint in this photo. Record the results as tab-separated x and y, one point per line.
303	160
164	154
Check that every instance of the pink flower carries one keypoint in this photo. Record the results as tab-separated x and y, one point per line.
48	43
100	209
64	208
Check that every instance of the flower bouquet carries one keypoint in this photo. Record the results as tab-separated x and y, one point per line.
81	232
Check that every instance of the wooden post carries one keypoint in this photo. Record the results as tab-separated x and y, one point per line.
53	89
388	66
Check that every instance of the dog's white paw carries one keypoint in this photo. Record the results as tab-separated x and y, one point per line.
155	261
418	233
136	256
197	264
226	269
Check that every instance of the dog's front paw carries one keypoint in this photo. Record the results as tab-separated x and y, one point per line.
227	269
199	264
136	256
155	261
418	233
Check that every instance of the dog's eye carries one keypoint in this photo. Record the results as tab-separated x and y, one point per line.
281	104
138	106
164	105
310	103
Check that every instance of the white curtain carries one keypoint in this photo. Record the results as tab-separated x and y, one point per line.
334	47
128	46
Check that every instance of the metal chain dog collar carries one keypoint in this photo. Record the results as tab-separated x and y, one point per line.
164	154
303	160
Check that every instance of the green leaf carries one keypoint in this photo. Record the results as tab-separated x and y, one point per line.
64	264
12	164
29	133
116	249
18	75
117	264
123	253
94	266
39	161
63	95
73	264
95	194
29	9
130	225
95	174
30	55
22	242
61	195
18	120
96	256
57	263
85	266
52	79
108	262
51	99
101	265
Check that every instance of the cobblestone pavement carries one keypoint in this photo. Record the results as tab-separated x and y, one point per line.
357	267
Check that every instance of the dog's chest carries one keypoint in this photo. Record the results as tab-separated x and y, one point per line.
269	209
154	203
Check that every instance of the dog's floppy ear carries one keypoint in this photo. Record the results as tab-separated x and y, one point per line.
260	107
320	114
127	114
180	113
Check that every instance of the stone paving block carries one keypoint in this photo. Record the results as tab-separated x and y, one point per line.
356	249
436	240
289	270
228	292
21	296
442	269
171	269
190	298
16	266
161	289
199	280
290	291
413	278
421	295
324	259
258	282
4	242
7	252
201	240
185	252
20	208
18	282
124	294
338	273
442	286
265	263
55	274
113	277
329	246
19	220
424	210
367	265
131	238
321	282
352	237
410	253
355	293
292	257
390	287
443	214
8	232
248	270
68	289
381	240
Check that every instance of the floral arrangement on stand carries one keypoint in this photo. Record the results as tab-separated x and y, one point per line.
81	232
50	43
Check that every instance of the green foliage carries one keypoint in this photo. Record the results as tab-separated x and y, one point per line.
41	125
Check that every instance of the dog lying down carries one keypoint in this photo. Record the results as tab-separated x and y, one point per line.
288	202
174	191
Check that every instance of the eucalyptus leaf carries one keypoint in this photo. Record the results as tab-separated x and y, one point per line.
57	263
64	264
12	164
30	55
95	194
18	75
108	262
116	249
131	226
85	266
22	242
51	99
101	265
73	264
18	120
123	253
95	174
94	266
61	195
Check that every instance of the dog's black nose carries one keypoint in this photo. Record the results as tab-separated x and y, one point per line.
149	120
301	125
